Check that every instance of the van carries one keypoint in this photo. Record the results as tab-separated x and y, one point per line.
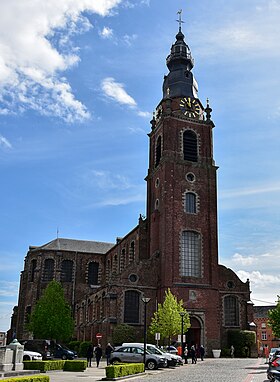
40	346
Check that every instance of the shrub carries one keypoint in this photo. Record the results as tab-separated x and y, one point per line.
83	348
121	370
43	366
242	340
79	365
74	345
29	378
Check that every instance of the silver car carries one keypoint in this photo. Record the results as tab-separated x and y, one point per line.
135	354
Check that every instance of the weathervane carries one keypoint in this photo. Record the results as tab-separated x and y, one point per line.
180	21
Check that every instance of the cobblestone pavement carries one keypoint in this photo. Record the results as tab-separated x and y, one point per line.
210	370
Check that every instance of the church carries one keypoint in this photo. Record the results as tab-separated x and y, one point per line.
174	246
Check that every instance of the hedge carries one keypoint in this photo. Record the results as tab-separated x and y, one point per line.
44	366
79	365
29	378
121	370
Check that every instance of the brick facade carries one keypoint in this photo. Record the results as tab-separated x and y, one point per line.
175	246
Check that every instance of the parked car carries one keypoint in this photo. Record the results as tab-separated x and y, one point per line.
172	359
135	354
171	349
274	366
32	356
59	351
273	352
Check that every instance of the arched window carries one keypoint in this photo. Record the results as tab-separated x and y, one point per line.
66	271
190	202
158	151
48	273
132	252
122	264
27	314
93	268
190	254
190	146
33	269
115	264
231	311
131	307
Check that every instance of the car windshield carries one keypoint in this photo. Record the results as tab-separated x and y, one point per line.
154	350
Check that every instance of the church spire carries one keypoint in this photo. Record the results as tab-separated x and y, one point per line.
180	81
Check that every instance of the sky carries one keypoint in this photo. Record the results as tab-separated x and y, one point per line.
79	81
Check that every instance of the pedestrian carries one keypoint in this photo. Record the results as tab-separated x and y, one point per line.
202	352
193	354
109	349
186	354
89	355
266	353
98	354
232	351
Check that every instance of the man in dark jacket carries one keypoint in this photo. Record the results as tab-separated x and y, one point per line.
98	354
109	349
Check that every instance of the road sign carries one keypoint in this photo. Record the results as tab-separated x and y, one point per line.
98	336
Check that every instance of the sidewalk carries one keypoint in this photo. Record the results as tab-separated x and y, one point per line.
92	373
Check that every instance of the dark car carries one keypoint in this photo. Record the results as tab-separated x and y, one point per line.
59	351
135	354
274	366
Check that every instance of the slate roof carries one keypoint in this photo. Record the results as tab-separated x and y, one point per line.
262	311
73	245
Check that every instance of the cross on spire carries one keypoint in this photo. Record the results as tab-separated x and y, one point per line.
180	21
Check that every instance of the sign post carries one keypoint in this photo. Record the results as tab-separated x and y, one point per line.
98	336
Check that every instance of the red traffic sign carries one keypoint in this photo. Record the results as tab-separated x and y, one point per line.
98	336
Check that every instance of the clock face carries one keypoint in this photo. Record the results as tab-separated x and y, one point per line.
190	107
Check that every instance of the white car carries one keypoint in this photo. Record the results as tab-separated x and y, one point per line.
31	356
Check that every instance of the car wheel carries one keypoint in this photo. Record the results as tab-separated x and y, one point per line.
64	357
26	358
151	365
115	360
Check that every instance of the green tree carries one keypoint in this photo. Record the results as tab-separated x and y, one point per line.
51	317
167	320
274	319
123	333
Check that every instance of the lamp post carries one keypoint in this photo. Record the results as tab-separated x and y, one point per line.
145	300
182	314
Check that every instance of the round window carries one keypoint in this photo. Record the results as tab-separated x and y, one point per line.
190	177
132	278
230	284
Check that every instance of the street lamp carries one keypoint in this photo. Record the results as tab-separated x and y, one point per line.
145	300
182	314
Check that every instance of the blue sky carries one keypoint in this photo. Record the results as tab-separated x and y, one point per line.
79	81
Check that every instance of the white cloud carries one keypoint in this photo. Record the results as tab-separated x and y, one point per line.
257	36
35	50
129	39
239	259
144	114
4	142
8	289
115	91
106	32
